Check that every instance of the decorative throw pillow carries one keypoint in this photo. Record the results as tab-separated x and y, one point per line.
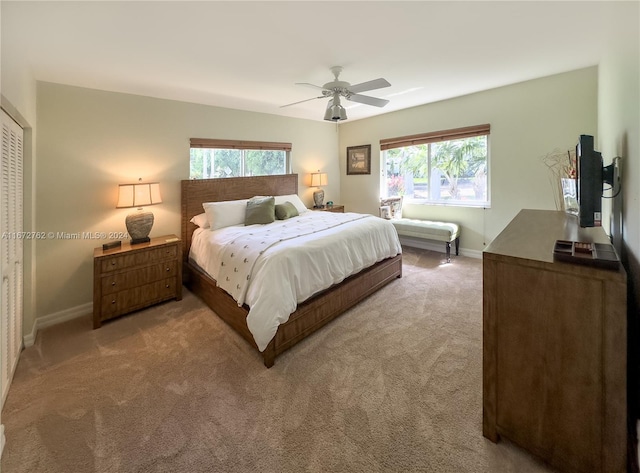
395	206
294	199
200	220
260	210
286	210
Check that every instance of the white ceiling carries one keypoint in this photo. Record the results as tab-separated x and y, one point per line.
249	55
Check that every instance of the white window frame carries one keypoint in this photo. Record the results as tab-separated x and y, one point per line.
428	139
243	147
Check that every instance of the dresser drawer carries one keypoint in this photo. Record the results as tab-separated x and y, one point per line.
125	280
138	258
130	299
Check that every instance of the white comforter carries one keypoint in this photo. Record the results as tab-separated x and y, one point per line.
291	271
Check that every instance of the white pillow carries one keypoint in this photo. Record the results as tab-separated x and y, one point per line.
294	199
225	214
200	220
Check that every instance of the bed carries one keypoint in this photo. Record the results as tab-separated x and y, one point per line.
310	315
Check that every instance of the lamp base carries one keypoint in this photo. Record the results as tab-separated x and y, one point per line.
140	240
318	198
139	226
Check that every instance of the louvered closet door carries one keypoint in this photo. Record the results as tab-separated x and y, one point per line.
10	249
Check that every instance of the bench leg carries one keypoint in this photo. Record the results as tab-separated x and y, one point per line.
457	245
448	252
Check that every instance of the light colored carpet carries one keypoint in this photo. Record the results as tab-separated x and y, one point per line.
393	385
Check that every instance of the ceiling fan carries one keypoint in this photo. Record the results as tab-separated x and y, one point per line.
337	88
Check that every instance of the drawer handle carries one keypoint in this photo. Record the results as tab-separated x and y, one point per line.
113	263
168	269
113	301
113	283
167	286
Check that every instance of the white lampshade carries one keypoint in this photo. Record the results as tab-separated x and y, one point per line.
138	195
318	179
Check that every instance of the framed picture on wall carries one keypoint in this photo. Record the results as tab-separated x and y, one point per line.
359	159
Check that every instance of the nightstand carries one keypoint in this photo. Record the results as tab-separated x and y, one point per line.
133	277
333	208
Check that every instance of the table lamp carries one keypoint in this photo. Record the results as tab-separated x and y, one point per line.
138	195
318	179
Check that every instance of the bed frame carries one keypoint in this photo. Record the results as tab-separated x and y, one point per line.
310	315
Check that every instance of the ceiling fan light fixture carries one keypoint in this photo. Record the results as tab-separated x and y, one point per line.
335	112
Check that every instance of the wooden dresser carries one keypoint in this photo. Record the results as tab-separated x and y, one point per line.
554	347
133	277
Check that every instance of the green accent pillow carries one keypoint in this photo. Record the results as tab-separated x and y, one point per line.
260	210
286	210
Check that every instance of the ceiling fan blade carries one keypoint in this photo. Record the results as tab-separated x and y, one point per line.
301	101
306	84
365	99
369	85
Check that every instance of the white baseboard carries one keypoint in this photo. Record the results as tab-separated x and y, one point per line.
56	318
438	246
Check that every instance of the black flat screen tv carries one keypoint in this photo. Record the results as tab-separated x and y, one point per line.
590	178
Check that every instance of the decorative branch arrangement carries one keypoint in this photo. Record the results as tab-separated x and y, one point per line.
561	165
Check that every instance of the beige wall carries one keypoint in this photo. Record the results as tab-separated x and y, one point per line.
619	126
528	120
89	141
619	135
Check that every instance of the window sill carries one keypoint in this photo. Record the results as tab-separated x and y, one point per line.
458	203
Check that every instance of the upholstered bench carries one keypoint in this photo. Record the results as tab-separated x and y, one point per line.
428	230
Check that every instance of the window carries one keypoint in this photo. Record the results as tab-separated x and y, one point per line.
446	167
228	158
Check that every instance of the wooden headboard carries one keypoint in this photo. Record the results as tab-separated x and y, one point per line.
197	191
